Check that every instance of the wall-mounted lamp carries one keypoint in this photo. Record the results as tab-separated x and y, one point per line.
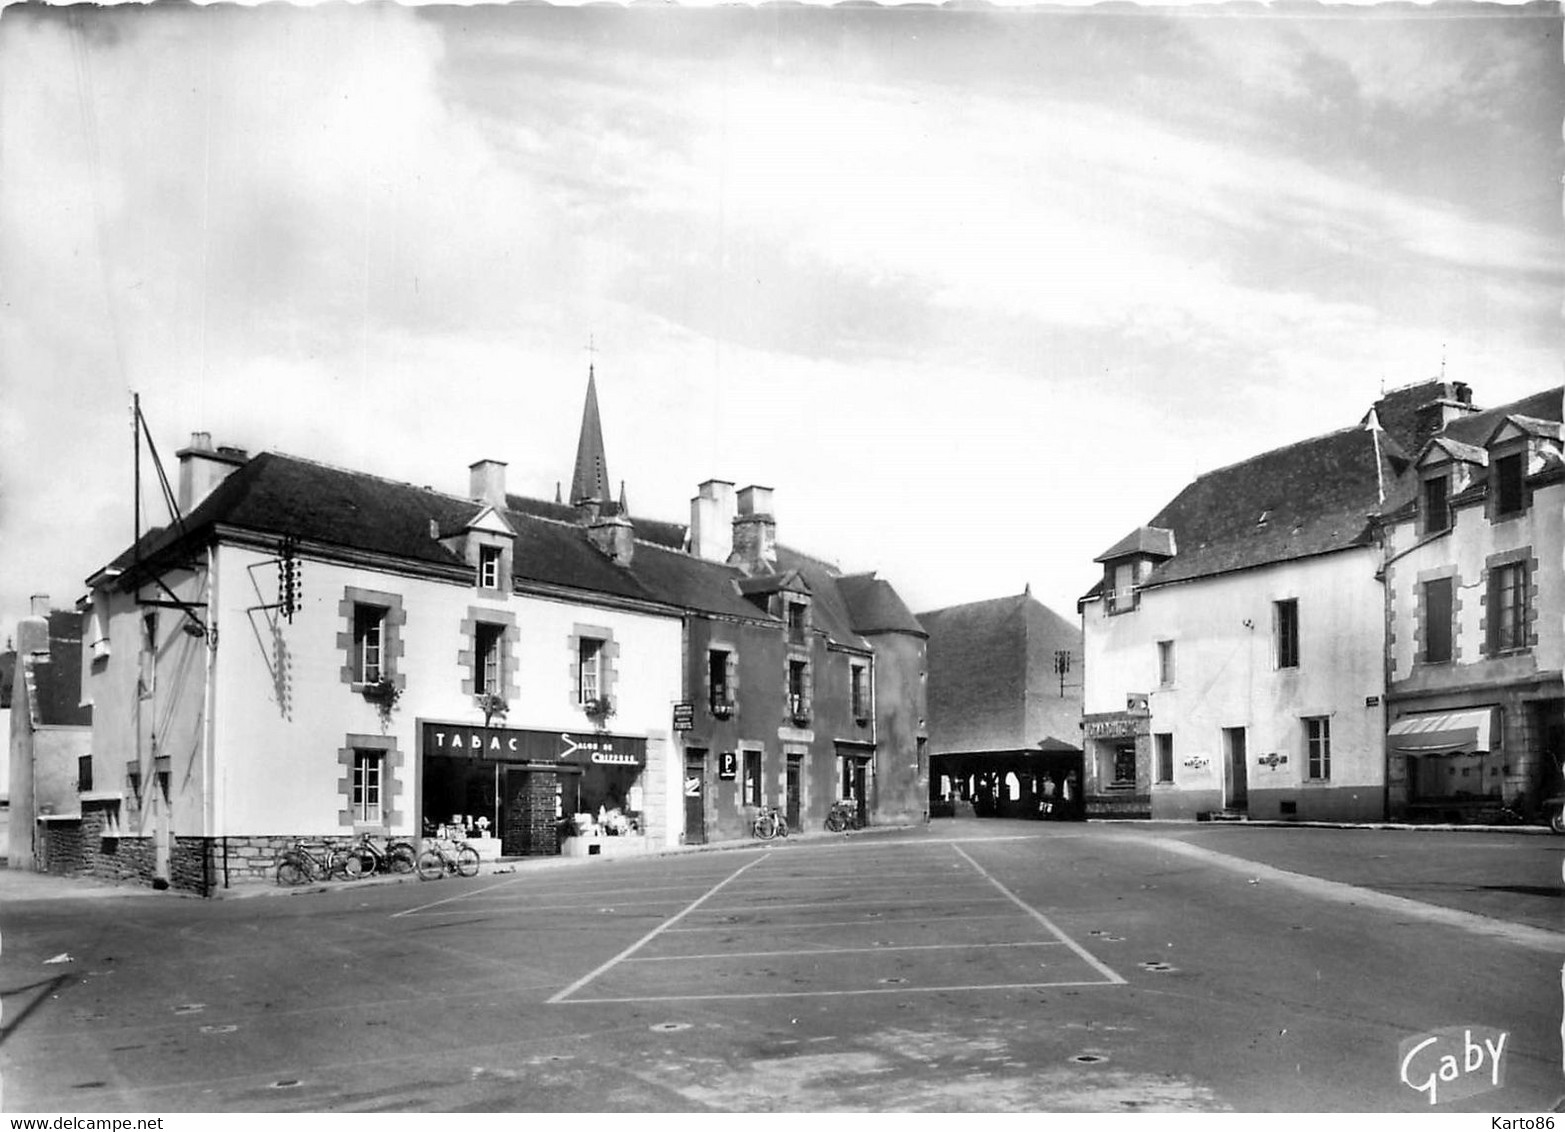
1248	624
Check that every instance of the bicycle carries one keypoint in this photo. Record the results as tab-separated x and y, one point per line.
769	824
383	855
306	862
440	857
844	815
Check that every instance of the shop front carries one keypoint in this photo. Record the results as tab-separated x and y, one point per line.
1118	764
517	792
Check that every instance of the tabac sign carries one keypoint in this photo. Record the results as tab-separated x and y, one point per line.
511	744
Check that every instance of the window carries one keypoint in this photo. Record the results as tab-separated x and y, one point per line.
1510	497
796	622
1437	507
1125	767
1437	621
798	701
1122	587
1508	607
366	786
752	778
590	681
717	679
1164	745
1317	735
1165	663
146	680
488	666
1286	621
489	567
84	773
858	692
369	637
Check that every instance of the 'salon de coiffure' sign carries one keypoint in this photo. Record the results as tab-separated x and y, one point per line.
511	744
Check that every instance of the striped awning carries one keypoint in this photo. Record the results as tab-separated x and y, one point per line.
1443	733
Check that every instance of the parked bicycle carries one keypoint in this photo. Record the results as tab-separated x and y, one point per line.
315	861
440	857
844	815
382	855
769	824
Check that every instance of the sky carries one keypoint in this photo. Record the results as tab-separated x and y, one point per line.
976	292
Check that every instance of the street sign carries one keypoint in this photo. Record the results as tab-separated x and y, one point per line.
728	765
684	716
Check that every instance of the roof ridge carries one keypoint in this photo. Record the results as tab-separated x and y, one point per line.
1280	448
427	488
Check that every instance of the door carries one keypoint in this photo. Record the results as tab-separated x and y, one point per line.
695	797
516	814
1238	795
792	794
860	795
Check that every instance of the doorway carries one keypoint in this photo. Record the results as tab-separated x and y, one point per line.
695	797
1236	795
792	788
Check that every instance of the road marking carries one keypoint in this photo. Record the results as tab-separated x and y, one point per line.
654	933
1091	959
451	899
837	993
813	924
519	908
810	953
842	902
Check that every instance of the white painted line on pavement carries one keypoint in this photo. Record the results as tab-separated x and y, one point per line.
1091	959
459	896
838	993
811	925
655	932
809	953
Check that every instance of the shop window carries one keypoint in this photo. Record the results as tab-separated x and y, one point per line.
1510	496
489	659
1125	767
1508	607
368	767
489	559
1165	663
589	681
1437	505
1317	737
1437	621
1285	622
858	691
369	639
1163	743
752	778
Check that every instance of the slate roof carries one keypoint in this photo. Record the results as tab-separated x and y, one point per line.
1305	499
875	607
56	679
992	685
828	609
1142	540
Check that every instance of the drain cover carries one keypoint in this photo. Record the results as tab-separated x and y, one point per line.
218	1029
894	979
1157	965
289	1083
1088	1058
670	1027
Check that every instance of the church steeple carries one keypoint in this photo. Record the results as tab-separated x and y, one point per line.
591	482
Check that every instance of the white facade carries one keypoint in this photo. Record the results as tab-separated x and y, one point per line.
1217	640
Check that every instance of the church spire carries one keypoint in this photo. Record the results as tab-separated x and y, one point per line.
591	481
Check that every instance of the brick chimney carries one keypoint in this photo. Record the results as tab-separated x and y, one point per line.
202	468
486	482
1414	413
615	536
755	532
712	521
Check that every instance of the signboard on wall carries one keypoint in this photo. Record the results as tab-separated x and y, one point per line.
728	765
512	744
684	716
1109	728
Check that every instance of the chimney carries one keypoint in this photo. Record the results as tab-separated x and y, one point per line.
486	482
615	536
202	468
712	521
32	631
755	532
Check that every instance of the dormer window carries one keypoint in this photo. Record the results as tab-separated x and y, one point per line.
796	622
1122	579
489	559
1437	504
1510	496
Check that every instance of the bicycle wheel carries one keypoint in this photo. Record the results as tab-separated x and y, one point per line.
401	858
369	863
835	821
782	826
766	827
431	865
467	861
291	871
341	863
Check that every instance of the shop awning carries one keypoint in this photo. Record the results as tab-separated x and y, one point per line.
1445	733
